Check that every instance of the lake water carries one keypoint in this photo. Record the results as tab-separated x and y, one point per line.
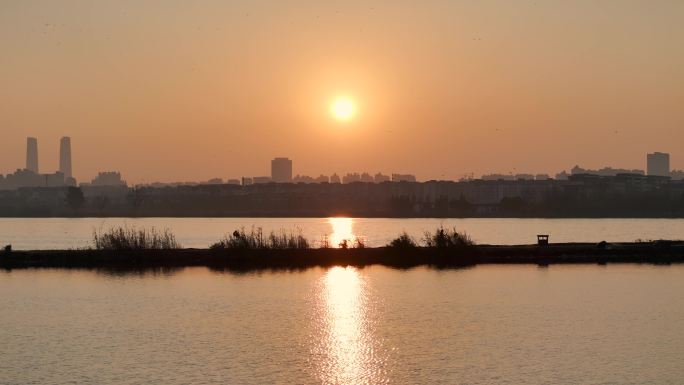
584	324
62	233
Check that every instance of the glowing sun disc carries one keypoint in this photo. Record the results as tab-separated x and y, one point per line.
342	109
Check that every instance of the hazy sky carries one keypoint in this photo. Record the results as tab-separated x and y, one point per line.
180	90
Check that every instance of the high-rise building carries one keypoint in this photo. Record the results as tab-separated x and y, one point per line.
281	170
65	156
658	163
32	154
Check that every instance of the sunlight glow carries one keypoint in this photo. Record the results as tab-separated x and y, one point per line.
346	350
341	230
343	108
347	342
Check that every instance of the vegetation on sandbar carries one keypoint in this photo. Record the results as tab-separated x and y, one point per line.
255	239
443	238
132	238
403	241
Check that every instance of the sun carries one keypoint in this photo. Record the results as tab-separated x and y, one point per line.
342	108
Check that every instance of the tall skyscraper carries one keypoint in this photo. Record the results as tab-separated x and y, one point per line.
65	156
658	163
32	154
281	170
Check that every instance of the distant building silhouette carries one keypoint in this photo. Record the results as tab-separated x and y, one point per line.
54	180
303	179
65	157
30	177
498	177
27	178
563	175
108	178
261	179
524	177
24	178
379	178
32	154
214	181
351	178
246	181
403	178
233	181
366	178
281	170
606	171
658	163
509	177
307	179
677	174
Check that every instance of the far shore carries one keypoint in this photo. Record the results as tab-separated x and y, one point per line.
659	252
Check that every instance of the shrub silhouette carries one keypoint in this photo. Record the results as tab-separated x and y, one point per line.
404	241
358	243
344	244
443	238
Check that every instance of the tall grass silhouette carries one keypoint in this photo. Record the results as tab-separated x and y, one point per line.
132	238
255	239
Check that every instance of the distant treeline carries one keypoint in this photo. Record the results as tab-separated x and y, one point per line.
605	197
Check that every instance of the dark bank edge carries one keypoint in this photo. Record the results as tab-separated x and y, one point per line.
239	260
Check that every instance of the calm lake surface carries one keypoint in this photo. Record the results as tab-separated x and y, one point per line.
491	324
63	233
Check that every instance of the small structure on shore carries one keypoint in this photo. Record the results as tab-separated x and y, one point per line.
542	239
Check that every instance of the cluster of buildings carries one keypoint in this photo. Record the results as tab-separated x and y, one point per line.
281	172
607	191
30	176
657	164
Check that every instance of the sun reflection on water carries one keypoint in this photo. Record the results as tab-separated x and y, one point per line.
341	230
346	351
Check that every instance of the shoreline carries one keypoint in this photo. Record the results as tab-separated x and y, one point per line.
343	214
659	252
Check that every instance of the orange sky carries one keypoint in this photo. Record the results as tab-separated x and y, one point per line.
176	90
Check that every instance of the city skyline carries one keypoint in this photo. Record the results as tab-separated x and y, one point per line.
281	171
262	167
440	91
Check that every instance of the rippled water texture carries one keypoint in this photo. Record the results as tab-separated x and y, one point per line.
62	233
490	324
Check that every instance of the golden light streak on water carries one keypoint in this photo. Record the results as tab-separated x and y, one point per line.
347	352
342	229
